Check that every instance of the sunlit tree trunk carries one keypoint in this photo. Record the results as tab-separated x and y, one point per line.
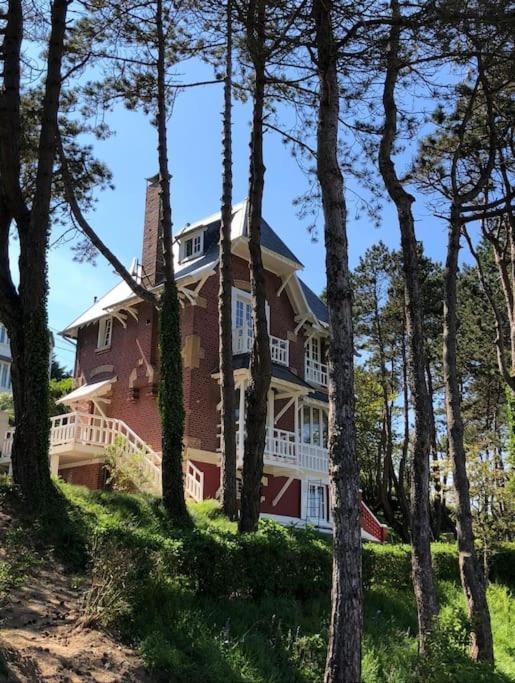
343	662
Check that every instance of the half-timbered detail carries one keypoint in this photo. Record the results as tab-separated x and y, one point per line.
117	371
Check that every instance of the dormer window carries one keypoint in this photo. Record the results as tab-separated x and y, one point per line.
192	246
105	333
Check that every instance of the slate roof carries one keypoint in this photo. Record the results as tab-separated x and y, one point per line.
269	238
281	372
315	303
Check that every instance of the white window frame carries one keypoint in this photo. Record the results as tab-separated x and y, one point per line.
321	513
246	298
314	349
5	374
4	337
105	333
197	248
324	420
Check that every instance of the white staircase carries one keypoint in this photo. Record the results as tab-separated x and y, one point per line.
194	482
77	434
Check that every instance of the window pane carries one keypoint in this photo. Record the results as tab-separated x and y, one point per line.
248	318
239	314
188	248
237	405
325	429
316	501
306	424
316	426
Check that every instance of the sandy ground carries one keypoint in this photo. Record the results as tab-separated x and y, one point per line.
40	640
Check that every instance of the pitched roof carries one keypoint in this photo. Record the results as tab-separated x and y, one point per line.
317	306
269	238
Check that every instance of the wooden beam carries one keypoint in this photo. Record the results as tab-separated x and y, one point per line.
284	283
284	409
283	490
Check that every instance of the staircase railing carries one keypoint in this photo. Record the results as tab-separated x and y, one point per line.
194	482
84	429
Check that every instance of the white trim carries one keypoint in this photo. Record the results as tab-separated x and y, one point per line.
284	409
283	490
105	338
195	251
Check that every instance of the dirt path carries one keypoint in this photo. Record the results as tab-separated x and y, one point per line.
39	640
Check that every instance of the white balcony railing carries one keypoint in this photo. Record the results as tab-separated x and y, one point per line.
279	348
282	448
75	430
315	372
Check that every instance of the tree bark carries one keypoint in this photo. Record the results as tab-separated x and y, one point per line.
260	359
228	435
435	467
25	311
470	570
343	662
171	401
423	581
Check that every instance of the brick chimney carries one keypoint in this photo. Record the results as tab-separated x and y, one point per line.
152	256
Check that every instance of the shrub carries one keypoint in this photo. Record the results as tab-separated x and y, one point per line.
124	471
116	572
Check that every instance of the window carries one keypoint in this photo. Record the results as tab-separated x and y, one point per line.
313	350
316	501
242	320
313	426
105	332
192	246
4	339
5	376
243	317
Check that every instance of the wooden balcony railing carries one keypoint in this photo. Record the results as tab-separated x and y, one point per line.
279	348
72	431
315	372
283	448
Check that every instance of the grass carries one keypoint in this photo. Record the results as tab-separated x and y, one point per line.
181	609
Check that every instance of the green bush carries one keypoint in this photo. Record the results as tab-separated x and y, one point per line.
502	565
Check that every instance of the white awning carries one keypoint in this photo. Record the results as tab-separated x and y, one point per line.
88	392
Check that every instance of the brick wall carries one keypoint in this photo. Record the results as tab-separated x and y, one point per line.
92	476
134	358
152	255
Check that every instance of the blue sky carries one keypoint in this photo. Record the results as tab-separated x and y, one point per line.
194	153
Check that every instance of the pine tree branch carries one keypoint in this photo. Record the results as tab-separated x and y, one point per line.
90	233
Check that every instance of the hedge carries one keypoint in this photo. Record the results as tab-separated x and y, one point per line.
277	561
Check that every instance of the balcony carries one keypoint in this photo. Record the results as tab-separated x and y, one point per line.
279	348
315	372
283	449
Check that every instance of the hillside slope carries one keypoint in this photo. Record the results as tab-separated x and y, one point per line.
206	605
41	638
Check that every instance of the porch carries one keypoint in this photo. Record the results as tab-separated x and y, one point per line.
296	432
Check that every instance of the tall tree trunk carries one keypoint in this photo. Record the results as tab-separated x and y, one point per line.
423	581
403	463
260	359
171	403
470	569
435	466
26	311
343	662
228	436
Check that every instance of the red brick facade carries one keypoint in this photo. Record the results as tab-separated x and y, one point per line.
92	476
133	359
